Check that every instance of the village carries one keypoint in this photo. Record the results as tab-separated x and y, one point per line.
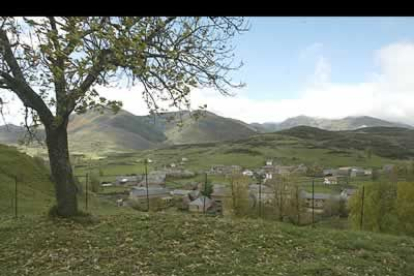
154	192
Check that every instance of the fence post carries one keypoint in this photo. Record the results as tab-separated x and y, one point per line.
313	202
205	191
87	191
146	182
298	203
15	196
260	199
362	208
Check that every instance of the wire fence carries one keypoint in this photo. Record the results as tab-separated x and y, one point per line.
302	205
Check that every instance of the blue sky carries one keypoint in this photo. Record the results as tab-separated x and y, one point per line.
327	67
279	55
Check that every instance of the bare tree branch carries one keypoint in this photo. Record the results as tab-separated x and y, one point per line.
18	84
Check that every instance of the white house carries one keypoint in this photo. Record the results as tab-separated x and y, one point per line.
269	163
330	180
248	172
368	172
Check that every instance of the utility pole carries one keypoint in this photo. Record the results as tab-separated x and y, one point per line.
313	202
362	208
15	196
146	182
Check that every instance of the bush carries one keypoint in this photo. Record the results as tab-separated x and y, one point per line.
94	183
155	204
237	202
335	207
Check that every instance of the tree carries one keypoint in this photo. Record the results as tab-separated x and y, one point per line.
287	202
207	189
405	207
293	201
410	171
238	201
368	152
101	173
379	213
375	175
279	186
315	170
95	182
335	207
54	65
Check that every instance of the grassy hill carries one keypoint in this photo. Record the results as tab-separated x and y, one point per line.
179	244
388	142
347	123
108	132
206	129
298	145
121	131
35	191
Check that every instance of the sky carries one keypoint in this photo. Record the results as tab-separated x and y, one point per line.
327	67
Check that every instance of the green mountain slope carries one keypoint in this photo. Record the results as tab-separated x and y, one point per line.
111	132
389	142
348	123
108	132
300	145
206	129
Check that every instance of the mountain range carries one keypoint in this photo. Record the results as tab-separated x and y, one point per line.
96	131
347	123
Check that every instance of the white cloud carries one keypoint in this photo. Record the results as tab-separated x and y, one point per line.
12	109
388	94
322	72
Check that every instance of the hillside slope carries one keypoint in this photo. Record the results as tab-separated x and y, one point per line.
13	135
347	123
300	145
179	244
108	132
206	129
389	142
35	190
121	131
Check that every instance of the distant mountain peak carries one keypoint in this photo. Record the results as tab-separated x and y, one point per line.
347	123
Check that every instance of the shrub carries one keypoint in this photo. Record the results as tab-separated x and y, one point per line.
94	183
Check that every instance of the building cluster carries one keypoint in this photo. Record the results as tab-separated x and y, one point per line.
190	195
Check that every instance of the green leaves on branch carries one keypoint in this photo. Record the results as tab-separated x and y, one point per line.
168	55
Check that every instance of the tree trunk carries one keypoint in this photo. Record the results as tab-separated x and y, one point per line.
66	190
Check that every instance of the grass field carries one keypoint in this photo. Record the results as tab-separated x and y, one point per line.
178	244
249	153
122	241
